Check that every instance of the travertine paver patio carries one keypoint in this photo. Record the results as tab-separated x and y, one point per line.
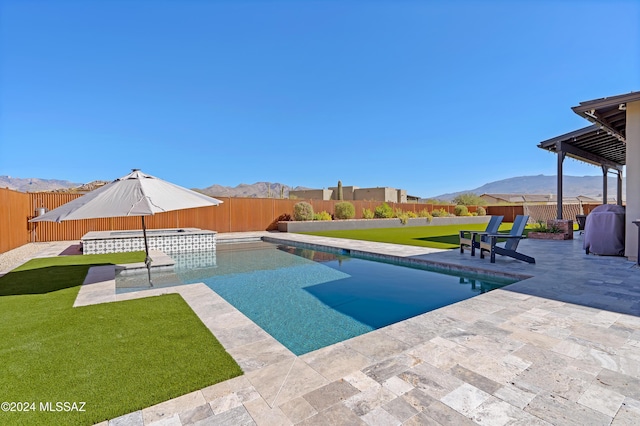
561	347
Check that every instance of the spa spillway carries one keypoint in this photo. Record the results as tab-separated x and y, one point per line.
182	240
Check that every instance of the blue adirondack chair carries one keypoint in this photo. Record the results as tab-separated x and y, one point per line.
511	245
468	238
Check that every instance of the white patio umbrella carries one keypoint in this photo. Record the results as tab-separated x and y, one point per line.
136	194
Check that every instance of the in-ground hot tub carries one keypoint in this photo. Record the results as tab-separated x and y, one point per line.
183	240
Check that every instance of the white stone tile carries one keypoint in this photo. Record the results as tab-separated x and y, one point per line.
602	399
465	398
361	381
495	412
515	395
397	385
379	417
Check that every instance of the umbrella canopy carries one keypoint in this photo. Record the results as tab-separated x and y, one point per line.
136	194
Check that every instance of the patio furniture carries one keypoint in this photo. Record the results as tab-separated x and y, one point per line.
604	231
510	246
637	223
581	219
468	238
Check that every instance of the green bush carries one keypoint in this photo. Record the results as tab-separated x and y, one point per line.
461	210
440	213
411	214
403	216
345	210
481	211
323	215
367	214
303	211
383	211
425	213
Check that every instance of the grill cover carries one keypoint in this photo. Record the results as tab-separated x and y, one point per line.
604	231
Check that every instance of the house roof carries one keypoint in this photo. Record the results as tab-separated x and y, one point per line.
540	198
522	198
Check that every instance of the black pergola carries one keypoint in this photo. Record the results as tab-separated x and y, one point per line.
592	145
602	144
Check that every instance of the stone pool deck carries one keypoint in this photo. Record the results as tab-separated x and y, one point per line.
561	347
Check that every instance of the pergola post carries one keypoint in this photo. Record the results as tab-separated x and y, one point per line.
605	172
619	194
561	155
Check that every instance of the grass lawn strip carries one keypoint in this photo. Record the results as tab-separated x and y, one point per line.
116	357
440	237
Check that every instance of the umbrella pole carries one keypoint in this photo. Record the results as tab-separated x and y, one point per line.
147	259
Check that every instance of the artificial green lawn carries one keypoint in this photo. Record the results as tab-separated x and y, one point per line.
116	357
441	237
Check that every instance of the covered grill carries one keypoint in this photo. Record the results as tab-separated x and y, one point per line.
604	230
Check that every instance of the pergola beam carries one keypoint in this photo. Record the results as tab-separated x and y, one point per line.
583	155
561	156
605	195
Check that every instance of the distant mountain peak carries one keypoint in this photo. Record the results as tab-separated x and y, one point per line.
34	184
254	190
573	186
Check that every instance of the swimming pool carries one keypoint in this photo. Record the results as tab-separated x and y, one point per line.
308	299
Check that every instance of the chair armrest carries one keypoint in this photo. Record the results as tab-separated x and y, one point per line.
503	236
462	232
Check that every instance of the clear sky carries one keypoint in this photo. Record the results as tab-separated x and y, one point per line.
421	95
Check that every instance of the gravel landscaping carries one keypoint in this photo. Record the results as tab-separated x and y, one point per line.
16	257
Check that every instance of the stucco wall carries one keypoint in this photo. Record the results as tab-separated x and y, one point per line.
633	179
379	194
334	225
312	194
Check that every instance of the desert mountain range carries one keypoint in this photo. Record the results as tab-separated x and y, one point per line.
590	186
572	186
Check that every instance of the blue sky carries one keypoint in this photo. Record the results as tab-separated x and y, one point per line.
421	95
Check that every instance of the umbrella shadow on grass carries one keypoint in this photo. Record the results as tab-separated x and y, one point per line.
42	280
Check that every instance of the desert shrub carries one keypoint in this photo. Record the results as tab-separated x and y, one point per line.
542	226
345	210
403	216
411	214
425	213
460	210
303	211
323	215
481	211
474	214
383	211
367	214
440	213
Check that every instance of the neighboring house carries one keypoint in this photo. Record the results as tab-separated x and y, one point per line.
354	193
539	199
311	194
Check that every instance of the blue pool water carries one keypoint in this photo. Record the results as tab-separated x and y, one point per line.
309	299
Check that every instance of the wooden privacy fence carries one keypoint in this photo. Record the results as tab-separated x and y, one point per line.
234	215
14	209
